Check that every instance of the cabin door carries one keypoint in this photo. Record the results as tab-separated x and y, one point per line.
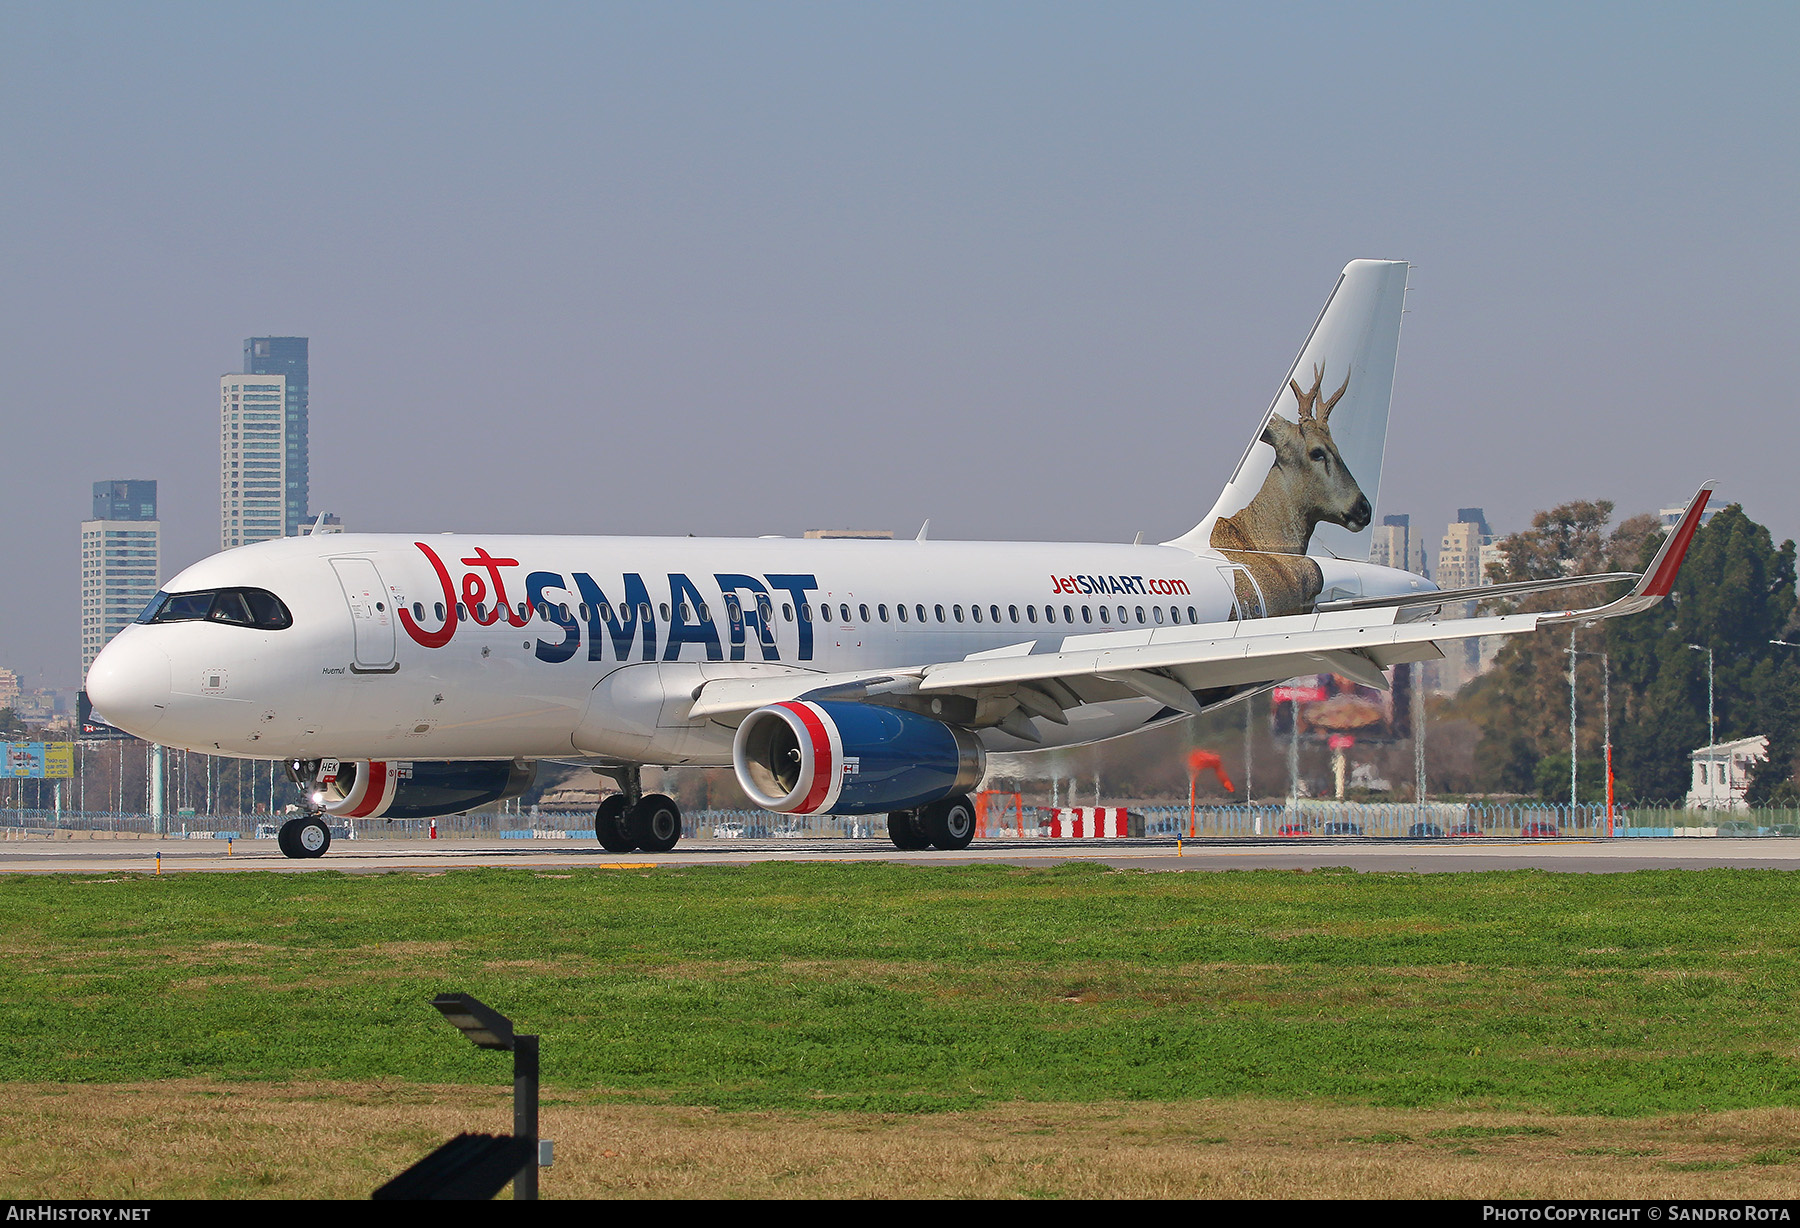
1246	596
371	615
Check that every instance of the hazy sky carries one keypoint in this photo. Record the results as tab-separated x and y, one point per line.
1029	270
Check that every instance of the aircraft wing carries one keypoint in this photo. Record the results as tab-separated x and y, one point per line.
1190	668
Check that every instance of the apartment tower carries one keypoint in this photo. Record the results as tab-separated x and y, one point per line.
121	562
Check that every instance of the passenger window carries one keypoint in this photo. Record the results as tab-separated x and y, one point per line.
843	612
603	611
665	611
1014	611
1049	613
975	612
995	611
806	611
1087	614
1175	614
787	612
1140	613
1156	613
418	612
644	611
920	611
462	612
1192	617
765	610
564	609
901	610
701	610
1068	615
1031	613
1104	617
732	611
438	609
481	611
864	611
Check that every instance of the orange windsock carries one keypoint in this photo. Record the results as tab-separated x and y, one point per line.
1205	761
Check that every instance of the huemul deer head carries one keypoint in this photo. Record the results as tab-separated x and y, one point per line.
1308	483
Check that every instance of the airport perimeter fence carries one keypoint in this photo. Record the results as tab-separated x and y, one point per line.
1306	818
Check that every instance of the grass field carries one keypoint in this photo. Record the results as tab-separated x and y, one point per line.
888	1001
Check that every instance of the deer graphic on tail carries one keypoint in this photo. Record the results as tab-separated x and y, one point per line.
1307	484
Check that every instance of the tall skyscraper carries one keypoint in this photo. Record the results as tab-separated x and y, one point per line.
286	357
121	562
253	458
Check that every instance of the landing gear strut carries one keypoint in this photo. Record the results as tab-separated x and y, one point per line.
305	837
631	819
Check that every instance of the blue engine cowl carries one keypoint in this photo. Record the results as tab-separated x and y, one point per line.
851	758
387	790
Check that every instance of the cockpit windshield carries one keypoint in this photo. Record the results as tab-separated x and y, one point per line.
243	607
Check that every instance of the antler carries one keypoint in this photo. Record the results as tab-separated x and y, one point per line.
1307	401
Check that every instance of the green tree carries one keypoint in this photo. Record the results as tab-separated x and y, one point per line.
1735	594
1522	704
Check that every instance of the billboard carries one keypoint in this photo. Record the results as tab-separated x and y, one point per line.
91	726
38	760
1332	707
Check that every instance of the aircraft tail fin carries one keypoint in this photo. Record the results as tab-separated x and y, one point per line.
1309	480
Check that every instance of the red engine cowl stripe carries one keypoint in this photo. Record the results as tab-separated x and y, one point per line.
374	793
824	770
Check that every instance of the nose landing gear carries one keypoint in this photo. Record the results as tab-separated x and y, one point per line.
304	837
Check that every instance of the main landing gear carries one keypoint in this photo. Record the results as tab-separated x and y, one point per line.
947	825
632	820
304	837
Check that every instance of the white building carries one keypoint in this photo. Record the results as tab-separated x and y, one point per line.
1722	773
1465	548
1671	516
121	562
1392	544
252	457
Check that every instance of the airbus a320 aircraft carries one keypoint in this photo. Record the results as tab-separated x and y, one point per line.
404	676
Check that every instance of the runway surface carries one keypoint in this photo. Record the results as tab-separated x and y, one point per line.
376	856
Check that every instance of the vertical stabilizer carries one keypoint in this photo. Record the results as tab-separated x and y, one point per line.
1309	480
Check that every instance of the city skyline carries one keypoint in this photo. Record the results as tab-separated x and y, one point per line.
1029	275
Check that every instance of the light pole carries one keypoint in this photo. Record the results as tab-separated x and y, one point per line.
1574	755
1605	719
487	1028
1711	741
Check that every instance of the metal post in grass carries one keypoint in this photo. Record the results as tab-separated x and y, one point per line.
487	1028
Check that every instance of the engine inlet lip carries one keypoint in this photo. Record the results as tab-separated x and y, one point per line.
744	765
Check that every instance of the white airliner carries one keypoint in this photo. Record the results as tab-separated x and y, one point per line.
401	676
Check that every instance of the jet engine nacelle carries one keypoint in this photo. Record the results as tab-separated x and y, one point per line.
384	789
851	758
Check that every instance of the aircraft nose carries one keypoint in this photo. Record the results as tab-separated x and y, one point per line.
129	685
